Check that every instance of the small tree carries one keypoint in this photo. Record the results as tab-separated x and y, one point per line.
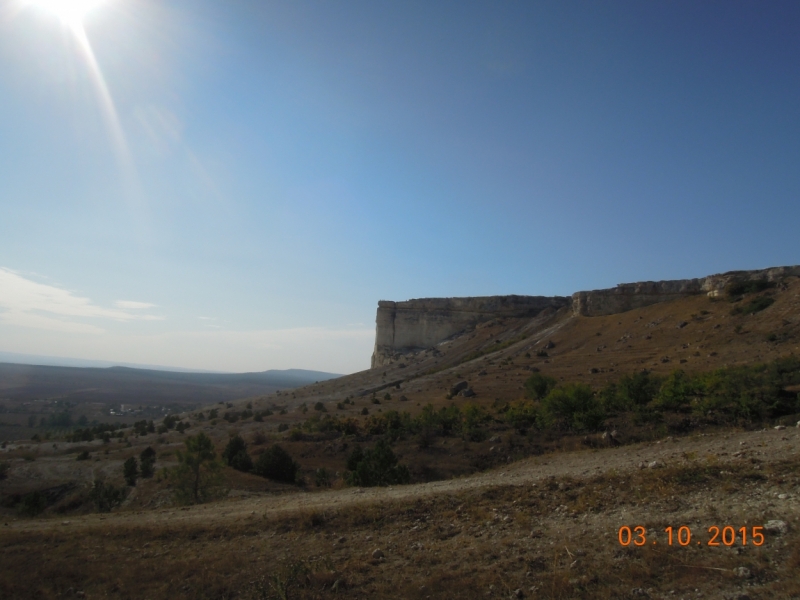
197	477
377	466
106	496
537	386
147	461
277	464
574	407
236	456
130	471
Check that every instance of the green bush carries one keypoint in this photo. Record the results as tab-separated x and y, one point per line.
739	288
636	390
537	386
675	394
106	496
236	456
573	406
277	464
523	414
375	467
754	306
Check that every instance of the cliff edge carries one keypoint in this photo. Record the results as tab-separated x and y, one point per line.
412	325
422	323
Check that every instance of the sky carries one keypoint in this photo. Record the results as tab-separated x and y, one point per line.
234	185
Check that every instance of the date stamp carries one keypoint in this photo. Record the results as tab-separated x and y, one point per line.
682	536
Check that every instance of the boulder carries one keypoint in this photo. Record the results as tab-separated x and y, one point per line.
461	385
776	527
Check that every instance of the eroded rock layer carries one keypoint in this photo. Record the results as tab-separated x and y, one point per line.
425	322
422	323
628	296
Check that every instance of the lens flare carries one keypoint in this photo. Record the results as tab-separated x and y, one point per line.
71	12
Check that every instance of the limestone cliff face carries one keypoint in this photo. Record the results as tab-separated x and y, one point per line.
628	296
422	323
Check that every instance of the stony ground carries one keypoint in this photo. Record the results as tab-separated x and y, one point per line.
545	527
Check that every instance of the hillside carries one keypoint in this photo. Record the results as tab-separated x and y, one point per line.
506	497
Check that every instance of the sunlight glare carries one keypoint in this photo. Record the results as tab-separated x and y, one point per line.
71	12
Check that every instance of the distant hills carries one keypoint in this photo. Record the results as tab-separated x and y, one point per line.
126	385
63	361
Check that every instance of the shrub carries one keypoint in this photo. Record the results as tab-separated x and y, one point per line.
236	456
537	386
106	496
754	306
375	467
83	455
321	477
320	407
675	394
283	427
574	407
739	288
33	504
523	414
638	389
277	464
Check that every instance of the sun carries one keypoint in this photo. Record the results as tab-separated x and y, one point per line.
71	12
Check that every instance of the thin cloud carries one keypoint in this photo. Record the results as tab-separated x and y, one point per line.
23	302
133	305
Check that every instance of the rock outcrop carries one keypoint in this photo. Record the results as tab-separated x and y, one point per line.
627	296
425	322
420	324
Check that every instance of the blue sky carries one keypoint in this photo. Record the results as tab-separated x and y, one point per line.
233	186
